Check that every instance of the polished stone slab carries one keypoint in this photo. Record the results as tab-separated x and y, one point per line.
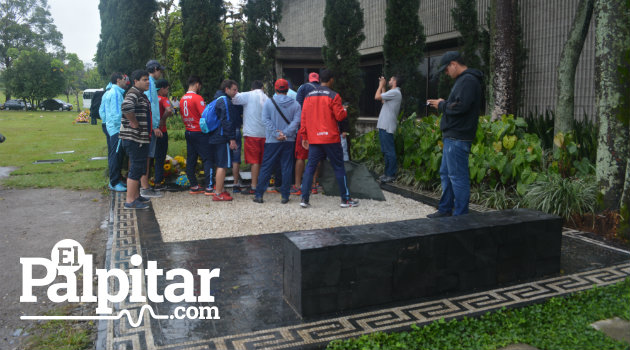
346	268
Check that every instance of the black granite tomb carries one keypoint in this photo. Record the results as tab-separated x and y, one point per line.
351	267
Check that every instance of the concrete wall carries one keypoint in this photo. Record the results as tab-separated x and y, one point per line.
546	24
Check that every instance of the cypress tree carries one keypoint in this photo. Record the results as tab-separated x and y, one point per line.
127	35
464	16
203	50
403	48
343	28
261	36
235	60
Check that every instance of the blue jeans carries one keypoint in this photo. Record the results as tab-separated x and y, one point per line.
161	147
389	152
455	177
317	153
283	152
197	146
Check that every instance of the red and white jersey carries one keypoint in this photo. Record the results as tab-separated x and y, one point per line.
191	106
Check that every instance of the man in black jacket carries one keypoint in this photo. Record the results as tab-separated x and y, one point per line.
460	117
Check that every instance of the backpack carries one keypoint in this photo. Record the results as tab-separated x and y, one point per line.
210	121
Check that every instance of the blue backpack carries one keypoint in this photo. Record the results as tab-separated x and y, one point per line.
210	121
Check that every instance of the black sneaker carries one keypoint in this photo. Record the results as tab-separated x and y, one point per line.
438	214
143	199
285	200
136	205
258	200
304	203
349	203
387	179
160	187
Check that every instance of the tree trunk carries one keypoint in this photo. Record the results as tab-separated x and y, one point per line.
568	64
503	48
611	43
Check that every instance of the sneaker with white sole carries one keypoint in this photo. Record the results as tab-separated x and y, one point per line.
304	203
143	199
349	203
150	193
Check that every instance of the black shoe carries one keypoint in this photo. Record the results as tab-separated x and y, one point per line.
284	200
387	179
258	200
438	214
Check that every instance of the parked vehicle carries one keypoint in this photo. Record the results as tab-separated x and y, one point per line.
55	104
87	97
17	105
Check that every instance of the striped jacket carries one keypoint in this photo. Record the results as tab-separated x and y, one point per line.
136	102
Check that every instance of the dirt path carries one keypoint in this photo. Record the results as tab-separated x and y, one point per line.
31	222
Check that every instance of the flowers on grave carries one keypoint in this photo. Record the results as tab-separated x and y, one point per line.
83	117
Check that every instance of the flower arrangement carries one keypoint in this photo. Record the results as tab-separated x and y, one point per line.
84	117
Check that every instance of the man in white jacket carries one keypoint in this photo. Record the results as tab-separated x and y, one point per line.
253	128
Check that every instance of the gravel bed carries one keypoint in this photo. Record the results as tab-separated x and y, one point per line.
185	217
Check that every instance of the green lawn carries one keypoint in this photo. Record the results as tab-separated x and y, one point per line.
36	135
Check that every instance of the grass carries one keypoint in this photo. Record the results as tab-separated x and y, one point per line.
37	135
59	334
559	323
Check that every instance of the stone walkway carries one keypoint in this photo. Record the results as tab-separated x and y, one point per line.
253	314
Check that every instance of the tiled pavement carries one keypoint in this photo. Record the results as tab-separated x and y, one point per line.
254	315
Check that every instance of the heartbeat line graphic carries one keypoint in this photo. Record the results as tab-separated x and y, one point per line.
112	317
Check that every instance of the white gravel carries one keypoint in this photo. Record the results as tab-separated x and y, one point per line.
186	217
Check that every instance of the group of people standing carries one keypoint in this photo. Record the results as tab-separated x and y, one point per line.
134	122
290	131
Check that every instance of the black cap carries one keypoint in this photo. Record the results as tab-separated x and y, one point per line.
155	64
447	58
161	83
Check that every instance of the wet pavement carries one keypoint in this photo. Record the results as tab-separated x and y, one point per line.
249	297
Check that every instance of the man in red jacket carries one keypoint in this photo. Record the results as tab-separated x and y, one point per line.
321	111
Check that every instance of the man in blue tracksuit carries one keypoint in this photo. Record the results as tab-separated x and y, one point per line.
281	120
110	112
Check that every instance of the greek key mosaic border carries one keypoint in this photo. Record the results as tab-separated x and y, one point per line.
125	242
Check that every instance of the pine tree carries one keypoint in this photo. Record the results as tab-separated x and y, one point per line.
261	36
127	35
343	28
203	49
403	49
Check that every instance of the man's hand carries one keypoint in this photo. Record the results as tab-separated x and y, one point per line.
281	136
158	132
305	144
435	103
233	144
381	81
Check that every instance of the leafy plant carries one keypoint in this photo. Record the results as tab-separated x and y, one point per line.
562	196
559	323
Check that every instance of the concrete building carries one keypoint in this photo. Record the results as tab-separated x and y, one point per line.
546	24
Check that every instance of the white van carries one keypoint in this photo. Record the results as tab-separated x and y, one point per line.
87	97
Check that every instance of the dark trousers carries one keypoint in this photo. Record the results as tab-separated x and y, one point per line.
161	147
115	156
317	153
274	152
197	145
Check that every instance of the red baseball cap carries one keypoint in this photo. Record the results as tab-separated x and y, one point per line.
313	77
282	85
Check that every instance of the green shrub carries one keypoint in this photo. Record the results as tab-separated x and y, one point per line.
560	196
502	153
